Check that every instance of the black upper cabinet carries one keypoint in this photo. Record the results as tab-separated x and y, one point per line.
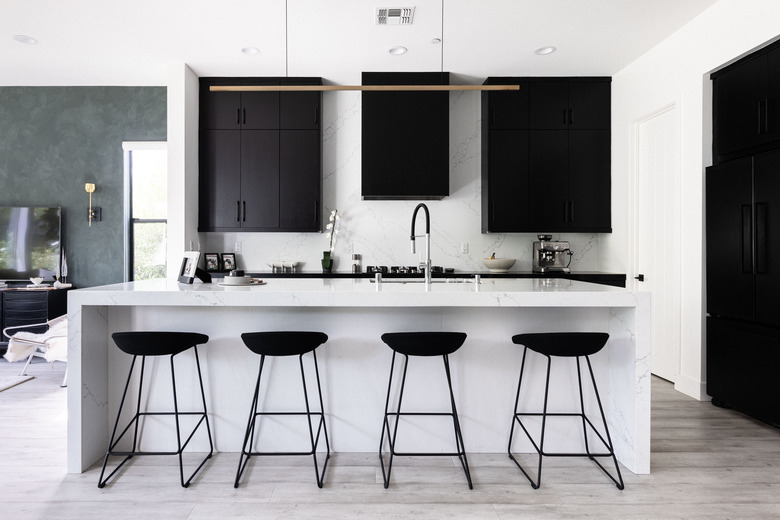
506	109
556	175
405	148
238	110
746	105
570	104
260	157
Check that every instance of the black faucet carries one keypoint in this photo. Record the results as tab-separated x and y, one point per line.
427	239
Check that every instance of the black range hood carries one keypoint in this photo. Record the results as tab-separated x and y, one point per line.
405	149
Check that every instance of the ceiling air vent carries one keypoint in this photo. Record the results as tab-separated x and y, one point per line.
394	15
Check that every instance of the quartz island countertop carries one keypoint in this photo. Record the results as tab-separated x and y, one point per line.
354	312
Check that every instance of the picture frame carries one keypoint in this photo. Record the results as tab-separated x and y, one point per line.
189	265
228	261
213	263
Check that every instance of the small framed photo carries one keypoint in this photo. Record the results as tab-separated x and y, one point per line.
213	263
188	266
228	261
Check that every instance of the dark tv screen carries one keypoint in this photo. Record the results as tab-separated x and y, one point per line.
29	242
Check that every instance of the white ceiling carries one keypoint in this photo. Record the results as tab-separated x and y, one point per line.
130	42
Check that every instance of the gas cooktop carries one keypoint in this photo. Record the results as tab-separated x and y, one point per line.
406	269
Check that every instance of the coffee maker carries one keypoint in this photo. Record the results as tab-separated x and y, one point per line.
551	256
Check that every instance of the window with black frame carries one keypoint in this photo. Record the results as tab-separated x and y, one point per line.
146	203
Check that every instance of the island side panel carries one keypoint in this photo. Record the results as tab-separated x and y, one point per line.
355	364
87	384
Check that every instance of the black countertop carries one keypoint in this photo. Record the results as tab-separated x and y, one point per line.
613	279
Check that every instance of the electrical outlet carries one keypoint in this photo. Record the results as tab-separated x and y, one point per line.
464	248
237	247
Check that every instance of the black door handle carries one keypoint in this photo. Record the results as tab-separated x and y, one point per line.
640	277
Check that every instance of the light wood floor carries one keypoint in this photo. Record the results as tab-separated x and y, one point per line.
706	463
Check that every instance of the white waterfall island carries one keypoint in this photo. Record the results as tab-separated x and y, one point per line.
354	363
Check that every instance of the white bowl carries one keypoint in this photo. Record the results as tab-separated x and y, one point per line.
498	265
37	280
236	280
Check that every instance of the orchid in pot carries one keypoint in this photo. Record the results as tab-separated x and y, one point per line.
332	231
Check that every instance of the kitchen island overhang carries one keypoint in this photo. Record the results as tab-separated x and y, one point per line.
354	362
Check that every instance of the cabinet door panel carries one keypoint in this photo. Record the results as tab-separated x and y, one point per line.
773	95
508	110
300	178
766	168
259	110
300	110
549	105
220	179
549	179
729	239
220	110
738	109
742	363
589	180
260	178
590	104
508	180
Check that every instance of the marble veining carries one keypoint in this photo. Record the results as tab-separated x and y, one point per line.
354	312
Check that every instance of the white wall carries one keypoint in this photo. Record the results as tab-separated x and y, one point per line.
182	164
677	71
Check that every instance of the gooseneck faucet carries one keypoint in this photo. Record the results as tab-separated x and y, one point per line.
427	236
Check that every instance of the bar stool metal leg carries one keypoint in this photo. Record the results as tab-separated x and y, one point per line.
586	422
461	448
134	422
608	441
314	437
391	436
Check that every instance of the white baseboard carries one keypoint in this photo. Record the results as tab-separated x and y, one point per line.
692	387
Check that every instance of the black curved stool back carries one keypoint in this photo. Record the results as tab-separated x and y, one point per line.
285	344
421	344
144	344
568	345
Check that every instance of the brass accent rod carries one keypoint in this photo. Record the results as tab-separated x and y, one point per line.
327	88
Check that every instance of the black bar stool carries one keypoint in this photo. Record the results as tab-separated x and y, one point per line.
564	344
285	344
421	344
145	344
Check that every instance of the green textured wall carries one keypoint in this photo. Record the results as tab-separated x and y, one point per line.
53	140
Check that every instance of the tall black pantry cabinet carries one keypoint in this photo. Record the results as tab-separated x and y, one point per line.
743	284
260	157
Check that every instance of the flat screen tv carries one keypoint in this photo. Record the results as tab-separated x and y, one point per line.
30	242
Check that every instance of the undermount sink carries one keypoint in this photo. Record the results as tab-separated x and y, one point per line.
422	280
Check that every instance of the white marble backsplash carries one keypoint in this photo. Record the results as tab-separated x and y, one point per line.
379	230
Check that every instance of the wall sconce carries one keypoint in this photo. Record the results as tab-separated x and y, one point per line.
93	213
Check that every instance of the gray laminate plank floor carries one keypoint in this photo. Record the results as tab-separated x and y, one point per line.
706	463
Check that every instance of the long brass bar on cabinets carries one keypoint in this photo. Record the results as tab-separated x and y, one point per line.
327	88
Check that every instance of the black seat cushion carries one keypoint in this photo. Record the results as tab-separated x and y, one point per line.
283	343
568	344
424	343
157	343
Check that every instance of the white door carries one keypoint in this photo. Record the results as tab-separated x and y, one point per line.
658	251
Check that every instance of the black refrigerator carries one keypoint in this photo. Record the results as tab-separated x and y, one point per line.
743	285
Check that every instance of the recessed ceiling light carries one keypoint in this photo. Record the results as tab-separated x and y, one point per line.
436	40
250	50
29	40
541	51
398	50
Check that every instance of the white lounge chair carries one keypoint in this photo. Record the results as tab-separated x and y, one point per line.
52	345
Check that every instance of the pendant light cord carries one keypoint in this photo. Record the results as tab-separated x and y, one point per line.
286	39
442	36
